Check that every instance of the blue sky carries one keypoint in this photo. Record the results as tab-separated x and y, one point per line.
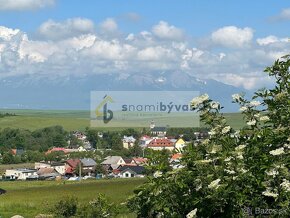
196	17
206	38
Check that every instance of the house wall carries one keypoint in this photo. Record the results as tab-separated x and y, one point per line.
60	169
19	174
127	174
180	144
156	148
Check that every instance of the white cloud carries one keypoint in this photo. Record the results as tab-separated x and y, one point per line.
284	15
164	31
22	5
74	47
233	37
109	25
270	40
155	54
70	27
248	81
7	33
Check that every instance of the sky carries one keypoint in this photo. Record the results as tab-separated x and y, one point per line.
229	41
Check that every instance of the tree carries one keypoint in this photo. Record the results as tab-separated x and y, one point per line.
7	158
233	173
92	136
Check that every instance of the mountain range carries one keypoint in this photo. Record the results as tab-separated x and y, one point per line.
73	92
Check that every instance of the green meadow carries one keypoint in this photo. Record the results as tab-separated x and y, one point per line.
30	198
71	120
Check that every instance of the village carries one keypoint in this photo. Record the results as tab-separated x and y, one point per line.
111	166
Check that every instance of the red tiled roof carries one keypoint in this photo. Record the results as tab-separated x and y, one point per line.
13	151
176	156
56	149
73	162
160	143
140	160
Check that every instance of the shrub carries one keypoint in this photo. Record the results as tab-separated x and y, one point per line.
234	173
66	207
98	208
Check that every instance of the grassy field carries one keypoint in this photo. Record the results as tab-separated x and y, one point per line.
70	120
35	197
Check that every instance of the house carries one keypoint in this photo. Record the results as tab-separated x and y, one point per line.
128	141
88	165
17	151
201	135
160	144
158	131
21	174
140	160
180	144
71	166
131	171
64	150
58	166
47	173
144	141
114	161
175	161
130	161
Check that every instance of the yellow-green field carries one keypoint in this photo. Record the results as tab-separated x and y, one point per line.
30	198
70	120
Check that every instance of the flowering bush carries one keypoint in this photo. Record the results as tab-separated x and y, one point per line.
234	173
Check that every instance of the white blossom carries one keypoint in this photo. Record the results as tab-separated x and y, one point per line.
285	185
192	213
255	103
226	129
229	171
243	108
214	184
198	187
251	122
198	100
212	132
205	142
287	146
242	170
241	157
264	118
268	193
228	159
240	147
277	151
157	174
272	172
214	105
205	161
236	97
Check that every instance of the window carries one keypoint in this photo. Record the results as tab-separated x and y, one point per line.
126	174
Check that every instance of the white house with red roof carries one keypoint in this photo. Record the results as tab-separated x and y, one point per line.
161	144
